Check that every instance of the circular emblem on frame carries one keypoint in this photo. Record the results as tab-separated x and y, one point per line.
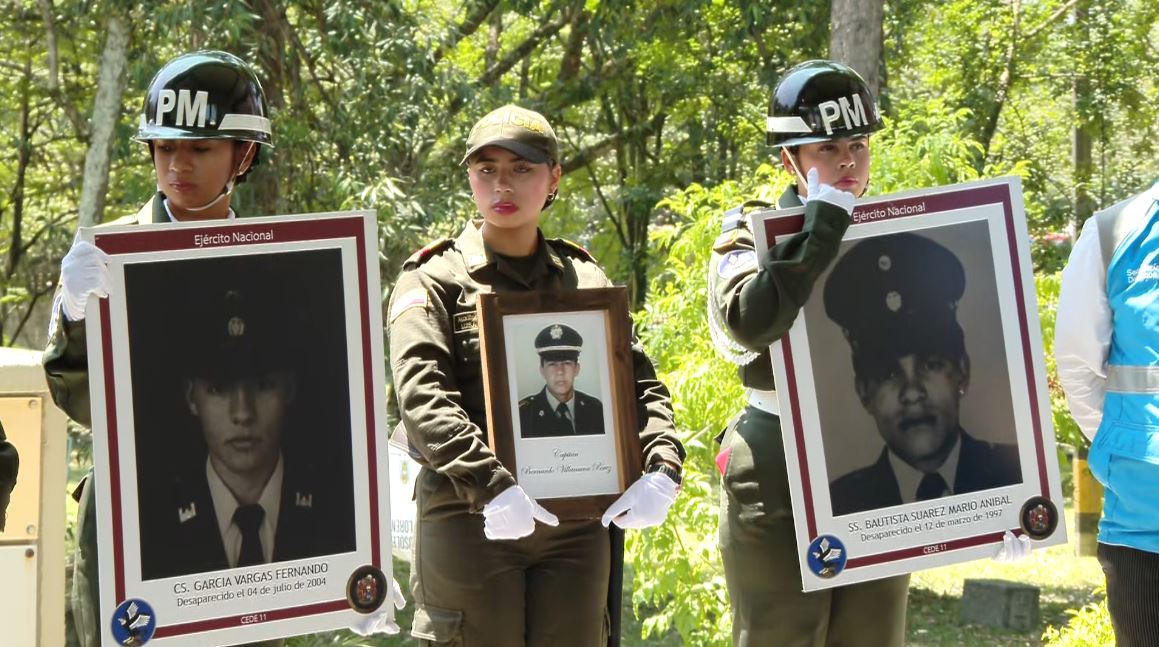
236	326
826	556
1039	517
366	589
133	622
893	301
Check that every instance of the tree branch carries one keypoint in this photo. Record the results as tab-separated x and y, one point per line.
616	222
475	19
1049	21
70	111
590	153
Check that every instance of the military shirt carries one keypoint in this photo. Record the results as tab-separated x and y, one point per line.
757	300
437	368
65	359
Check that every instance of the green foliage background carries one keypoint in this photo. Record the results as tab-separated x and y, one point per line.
660	108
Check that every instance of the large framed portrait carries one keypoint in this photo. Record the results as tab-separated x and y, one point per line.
560	392
917	420
236	384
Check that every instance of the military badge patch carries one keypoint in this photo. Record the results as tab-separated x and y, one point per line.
735	262
826	556
1039	517
366	589
133	622
466	322
412	299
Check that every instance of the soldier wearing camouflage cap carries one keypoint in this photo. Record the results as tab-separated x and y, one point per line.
895	297
559	409
492	566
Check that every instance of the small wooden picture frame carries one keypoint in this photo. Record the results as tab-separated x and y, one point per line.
561	396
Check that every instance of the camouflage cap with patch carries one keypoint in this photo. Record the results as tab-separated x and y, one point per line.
519	130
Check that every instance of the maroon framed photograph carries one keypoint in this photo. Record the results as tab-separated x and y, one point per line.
236	379
914	402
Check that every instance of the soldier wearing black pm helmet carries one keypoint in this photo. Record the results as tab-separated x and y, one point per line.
820	119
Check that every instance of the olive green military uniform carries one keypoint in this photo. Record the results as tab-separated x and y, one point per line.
551	587
754	303
66	366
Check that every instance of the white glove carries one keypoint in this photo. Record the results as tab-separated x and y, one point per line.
378	623
1013	548
826	193
513	514
644	504
84	271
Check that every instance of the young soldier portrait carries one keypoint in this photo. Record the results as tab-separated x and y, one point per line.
261	474
559	409
911	371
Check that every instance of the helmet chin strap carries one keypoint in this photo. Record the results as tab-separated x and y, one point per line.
801	182
227	190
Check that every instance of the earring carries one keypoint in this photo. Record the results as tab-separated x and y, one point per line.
551	198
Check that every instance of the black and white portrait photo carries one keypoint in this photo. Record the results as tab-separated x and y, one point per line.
559	408
918	398
242	410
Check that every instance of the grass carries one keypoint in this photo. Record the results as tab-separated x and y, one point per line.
1064	580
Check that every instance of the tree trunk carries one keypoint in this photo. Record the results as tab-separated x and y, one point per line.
16	198
106	112
1084	206
855	35
263	183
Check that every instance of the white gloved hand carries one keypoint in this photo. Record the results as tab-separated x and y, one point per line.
644	504
513	514
378	623
826	193
1013	548
84	272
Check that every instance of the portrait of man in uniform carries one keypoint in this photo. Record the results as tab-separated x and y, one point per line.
244	493
895	298
559	409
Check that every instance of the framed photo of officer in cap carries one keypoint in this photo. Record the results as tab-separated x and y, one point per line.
916	416
236	409
558	387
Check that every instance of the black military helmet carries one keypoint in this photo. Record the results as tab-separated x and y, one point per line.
205	95
820	100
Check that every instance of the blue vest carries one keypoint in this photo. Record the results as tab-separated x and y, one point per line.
1125	452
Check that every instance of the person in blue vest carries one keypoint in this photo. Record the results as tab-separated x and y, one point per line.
1107	349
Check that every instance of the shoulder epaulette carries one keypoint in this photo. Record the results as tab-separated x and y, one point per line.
575	248
735	218
425	254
